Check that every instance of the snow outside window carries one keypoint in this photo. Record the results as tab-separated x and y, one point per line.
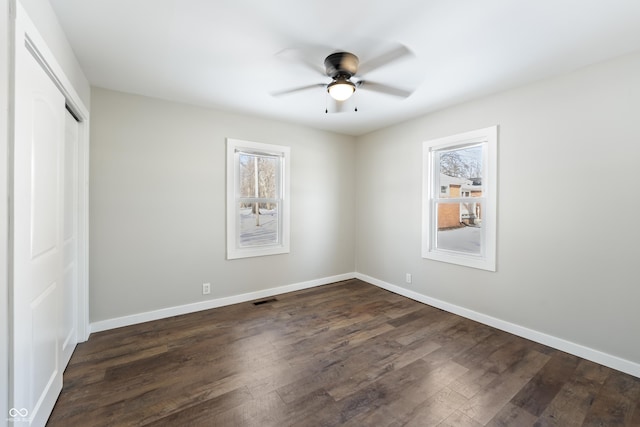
459	199
257	199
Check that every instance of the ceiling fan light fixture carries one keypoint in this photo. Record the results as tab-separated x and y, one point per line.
341	89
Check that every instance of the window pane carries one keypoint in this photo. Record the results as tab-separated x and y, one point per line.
460	172
247	164
267	177
459	227
259	224
264	182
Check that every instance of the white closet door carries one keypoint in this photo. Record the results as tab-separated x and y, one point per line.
38	240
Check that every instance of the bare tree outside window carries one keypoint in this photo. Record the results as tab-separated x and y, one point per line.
462	163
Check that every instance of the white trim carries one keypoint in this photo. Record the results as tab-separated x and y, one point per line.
83	229
597	356
6	65
163	313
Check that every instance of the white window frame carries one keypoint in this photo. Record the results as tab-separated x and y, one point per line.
234	147
488	137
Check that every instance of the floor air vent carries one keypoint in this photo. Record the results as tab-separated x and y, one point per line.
265	301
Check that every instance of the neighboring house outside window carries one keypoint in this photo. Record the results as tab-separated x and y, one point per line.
459	199
257	199
466	213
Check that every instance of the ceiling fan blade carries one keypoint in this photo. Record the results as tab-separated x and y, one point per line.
394	54
297	89
291	54
381	88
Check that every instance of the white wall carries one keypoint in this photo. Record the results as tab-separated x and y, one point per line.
157	203
568	234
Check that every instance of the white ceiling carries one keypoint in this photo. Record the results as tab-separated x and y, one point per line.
232	54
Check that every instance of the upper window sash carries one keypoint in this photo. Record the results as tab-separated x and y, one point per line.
256	155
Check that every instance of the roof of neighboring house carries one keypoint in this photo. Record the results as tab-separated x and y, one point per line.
452	180
471	188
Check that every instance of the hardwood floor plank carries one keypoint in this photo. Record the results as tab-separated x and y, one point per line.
370	373
432	326
480	354
635	417
345	354
97	367
473	382
616	402
330	374
512	415
202	412
263	410
307	410
436	409
458	419
423	390
485	405
546	383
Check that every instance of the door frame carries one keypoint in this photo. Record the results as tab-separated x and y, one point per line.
26	35
6	44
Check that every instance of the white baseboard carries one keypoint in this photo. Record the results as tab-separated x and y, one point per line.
163	313
597	356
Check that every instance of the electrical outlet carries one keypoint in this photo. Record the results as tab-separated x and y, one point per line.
206	288
407	278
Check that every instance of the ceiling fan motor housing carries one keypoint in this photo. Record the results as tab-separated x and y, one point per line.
341	64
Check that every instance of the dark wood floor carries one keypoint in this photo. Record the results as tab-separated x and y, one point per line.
343	354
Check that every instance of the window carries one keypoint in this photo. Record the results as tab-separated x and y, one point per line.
257	199
459	199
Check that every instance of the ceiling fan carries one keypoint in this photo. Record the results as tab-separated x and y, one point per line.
346	72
